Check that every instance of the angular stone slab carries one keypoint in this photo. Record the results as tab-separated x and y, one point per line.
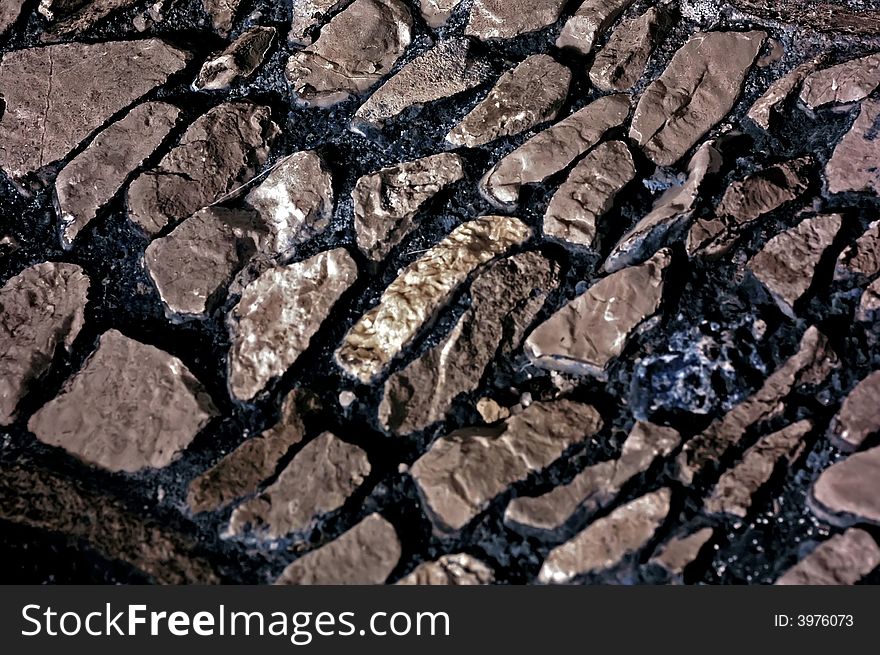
530	94
695	92
10	10
365	555
41	310
222	14
505	19
589	22
552	150
853	166
462	472
504	301
849	81
456	570
131	407
861	259
848	492
765	107
676	554
858	417
844	559
237	62
622	62
583	337
421	290
279	313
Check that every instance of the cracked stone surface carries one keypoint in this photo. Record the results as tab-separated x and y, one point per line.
622	61
463	471
131	407
238	61
857	419
852	167
460	569
861	258
591	19
504	19
42	309
530	94
842	560
850	81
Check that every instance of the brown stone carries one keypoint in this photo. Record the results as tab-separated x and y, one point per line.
606	542
853	166
844	559
504	301
849	81
698	88
37	498
132	406
41	310
765	107
355	50
669	216
622	62
861	259
386	202
811	364
241	472
736	488
365	555
677	553
462	472
787	262
9	13
817	15
437	12
869	305
69	17
552	150
57	95
588	193
308	14
504	19
858	417
747	200
848	492
455	570
318	481
421	290
295	201
222	14
237	62
583	337
219	151
596	486
94	176
279	313
589	22
526	96
447	69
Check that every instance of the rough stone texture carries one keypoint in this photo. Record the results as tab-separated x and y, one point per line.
670	215
589	22
747	200
853	166
504	19
528	95
842	560
295	201
811	364
386	202
421	290
94	176
364	555
318	481
846	493
9	13
697	89
504	301
447	69
620	64
586	334
273	323
858	417
237	62
222	14
200	256
606	542
241	472
47	501
69	17
354	51
552	150
462	472
737	486
458	570
437	12
870	302
596	486
788	261
588	193
41	310
308	14
819	15
849	81
677	553
765	107
132	406
862	258
57	95
221	149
